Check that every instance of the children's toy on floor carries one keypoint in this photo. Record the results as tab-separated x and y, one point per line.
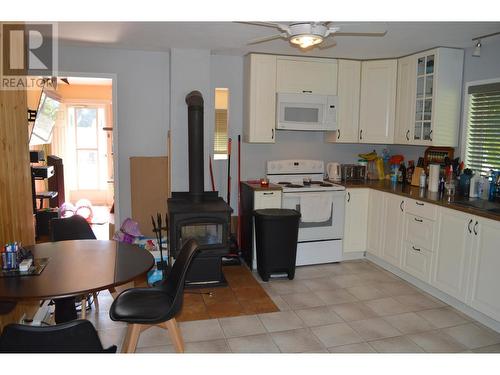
84	209
129	232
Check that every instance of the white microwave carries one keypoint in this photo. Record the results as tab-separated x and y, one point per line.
306	112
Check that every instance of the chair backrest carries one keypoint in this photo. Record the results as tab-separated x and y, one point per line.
77	336
71	228
174	284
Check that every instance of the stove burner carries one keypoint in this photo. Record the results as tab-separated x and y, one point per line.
325	184
317	182
294	186
283	183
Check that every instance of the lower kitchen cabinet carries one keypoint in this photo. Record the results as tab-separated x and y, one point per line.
452	254
374	232
392	225
356	215
485	276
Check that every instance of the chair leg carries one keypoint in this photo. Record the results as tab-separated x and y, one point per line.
84	307
175	334
96	301
131	338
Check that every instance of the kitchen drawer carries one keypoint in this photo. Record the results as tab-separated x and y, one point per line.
422	209
419	231
417	261
267	199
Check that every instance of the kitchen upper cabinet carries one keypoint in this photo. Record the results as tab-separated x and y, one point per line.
405	103
260	99
429	96
374	232
392	228
306	75
485	276
452	253
349	87
378	101
356	220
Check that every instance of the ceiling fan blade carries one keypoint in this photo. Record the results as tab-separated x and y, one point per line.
329	43
65	80
276	25
361	34
266	38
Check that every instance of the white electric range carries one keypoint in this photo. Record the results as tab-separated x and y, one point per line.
321	204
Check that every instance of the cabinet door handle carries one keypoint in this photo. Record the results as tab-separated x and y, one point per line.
408	135
361	134
419	203
475	228
272	133
414	248
401	205
468	226
338	133
430	135
419	220
307	91
348	196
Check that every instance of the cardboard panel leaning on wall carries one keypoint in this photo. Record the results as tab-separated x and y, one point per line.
149	190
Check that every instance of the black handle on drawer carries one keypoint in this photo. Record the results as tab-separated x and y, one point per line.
468	226
338	133
419	220
419	203
414	248
475	227
348	196
401	206
307	91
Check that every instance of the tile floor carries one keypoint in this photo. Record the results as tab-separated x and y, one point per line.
349	307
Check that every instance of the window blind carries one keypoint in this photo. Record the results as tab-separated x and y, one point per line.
483	131
220	139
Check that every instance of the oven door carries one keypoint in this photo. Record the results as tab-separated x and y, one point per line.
330	229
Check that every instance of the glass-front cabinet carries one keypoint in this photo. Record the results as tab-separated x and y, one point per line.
424	98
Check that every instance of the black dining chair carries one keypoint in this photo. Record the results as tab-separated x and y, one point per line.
143	308
73	228
77	336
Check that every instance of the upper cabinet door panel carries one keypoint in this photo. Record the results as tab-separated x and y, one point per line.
316	76
378	101
405	100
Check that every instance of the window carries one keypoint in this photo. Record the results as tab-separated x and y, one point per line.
482	149
221	123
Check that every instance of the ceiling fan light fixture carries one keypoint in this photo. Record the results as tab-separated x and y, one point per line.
306	40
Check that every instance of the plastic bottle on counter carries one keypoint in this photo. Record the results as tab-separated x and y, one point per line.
422	180
474	186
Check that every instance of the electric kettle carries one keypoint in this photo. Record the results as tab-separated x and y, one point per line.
334	173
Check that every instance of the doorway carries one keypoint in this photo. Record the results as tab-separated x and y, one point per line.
82	136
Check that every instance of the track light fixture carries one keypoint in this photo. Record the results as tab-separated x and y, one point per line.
477	46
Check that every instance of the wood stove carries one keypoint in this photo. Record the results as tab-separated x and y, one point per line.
199	214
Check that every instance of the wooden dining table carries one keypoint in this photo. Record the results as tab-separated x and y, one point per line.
78	267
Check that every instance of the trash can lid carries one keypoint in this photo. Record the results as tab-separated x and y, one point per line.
276	212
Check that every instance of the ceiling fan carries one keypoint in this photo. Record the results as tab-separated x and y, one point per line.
53	81
308	34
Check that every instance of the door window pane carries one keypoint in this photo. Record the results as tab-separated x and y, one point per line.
417	134
429	66
420	87
428	85
427	131
88	177
421	66
86	128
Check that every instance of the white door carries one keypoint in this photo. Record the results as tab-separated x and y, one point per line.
349	86
356	220
313	76
392	227
452	252
378	101
405	100
485	281
374	232
260	101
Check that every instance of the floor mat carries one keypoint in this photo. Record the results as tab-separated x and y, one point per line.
243	296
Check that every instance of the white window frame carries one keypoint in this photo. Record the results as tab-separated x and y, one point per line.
465	114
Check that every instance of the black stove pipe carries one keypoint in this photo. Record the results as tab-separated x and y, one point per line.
194	101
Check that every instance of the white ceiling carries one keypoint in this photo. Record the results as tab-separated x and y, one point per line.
230	38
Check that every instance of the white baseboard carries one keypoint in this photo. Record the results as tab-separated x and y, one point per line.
353	255
452	301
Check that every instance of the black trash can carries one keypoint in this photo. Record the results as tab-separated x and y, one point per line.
276	232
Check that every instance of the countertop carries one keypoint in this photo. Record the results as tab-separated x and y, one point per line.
425	195
257	187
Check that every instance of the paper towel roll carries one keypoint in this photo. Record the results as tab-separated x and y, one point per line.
434	177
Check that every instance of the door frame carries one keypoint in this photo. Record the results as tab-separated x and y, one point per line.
114	109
